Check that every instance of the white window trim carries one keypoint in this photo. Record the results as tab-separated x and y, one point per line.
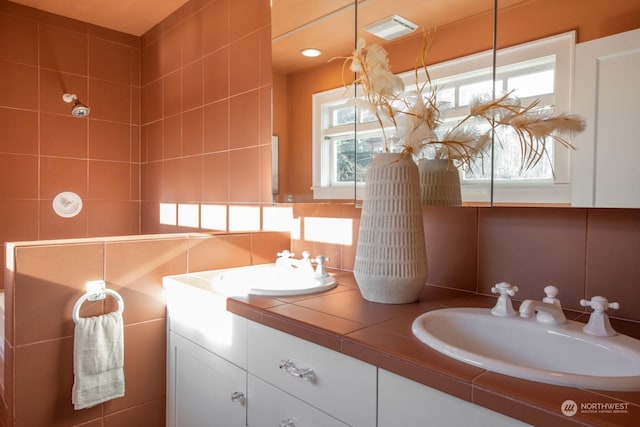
562	46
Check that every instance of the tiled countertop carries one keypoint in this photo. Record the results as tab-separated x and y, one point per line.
380	334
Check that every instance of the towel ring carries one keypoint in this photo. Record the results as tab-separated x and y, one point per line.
76	308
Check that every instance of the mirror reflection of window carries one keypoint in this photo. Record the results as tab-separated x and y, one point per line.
529	72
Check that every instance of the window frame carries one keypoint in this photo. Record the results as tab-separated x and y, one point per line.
561	46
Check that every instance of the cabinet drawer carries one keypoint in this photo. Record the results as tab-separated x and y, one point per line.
342	386
269	407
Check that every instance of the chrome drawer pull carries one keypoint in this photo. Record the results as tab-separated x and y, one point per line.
287	423
237	396
290	367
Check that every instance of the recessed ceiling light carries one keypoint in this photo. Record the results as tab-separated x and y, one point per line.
391	27
311	52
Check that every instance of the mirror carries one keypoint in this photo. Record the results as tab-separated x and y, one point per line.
464	27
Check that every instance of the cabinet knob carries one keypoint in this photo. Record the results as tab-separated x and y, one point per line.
237	396
287	423
304	373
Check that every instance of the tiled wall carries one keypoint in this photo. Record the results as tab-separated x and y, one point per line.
49	277
206	107
583	252
43	149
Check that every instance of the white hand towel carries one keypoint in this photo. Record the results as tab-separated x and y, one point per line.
98	360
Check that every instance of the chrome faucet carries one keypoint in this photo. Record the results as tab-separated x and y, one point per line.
547	311
304	265
599	323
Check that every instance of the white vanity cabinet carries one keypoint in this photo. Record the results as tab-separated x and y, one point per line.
403	402
204	389
207	358
301	376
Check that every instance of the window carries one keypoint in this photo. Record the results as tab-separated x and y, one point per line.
538	70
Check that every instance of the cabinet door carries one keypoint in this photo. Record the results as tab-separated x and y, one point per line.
271	407
201	386
403	402
605	165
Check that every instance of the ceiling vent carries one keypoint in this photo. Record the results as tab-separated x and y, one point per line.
391	27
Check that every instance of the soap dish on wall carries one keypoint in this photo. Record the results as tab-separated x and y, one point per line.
67	204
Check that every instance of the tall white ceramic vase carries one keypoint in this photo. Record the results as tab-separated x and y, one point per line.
439	182
391	258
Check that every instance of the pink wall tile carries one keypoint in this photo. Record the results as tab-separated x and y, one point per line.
52	226
216	75
172	134
223	251
18	176
63	136
244	120
18	85
192	29
533	248
192	95
148	414
144	370
47	284
110	61
216	177
613	259
192	131
53	84
172	93
19	131
112	218
244	173
62	174
216	126
63	50
109	100
109	140
215	20
244	62
18	40
451	236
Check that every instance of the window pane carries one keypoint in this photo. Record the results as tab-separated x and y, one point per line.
344	116
467	92
348	166
532	84
447	98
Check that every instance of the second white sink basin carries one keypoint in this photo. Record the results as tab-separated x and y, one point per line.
523	348
268	280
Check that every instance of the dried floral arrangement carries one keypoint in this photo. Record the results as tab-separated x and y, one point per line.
416	115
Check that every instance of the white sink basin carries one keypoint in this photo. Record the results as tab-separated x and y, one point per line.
523	348
266	279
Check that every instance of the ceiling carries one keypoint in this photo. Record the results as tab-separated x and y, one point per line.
296	24
128	16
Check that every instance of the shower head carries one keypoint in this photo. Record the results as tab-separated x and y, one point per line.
78	109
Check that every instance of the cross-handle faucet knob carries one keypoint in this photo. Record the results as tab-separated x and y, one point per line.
320	268
599	323
599	304
551	293
504	288
504	307
285	254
